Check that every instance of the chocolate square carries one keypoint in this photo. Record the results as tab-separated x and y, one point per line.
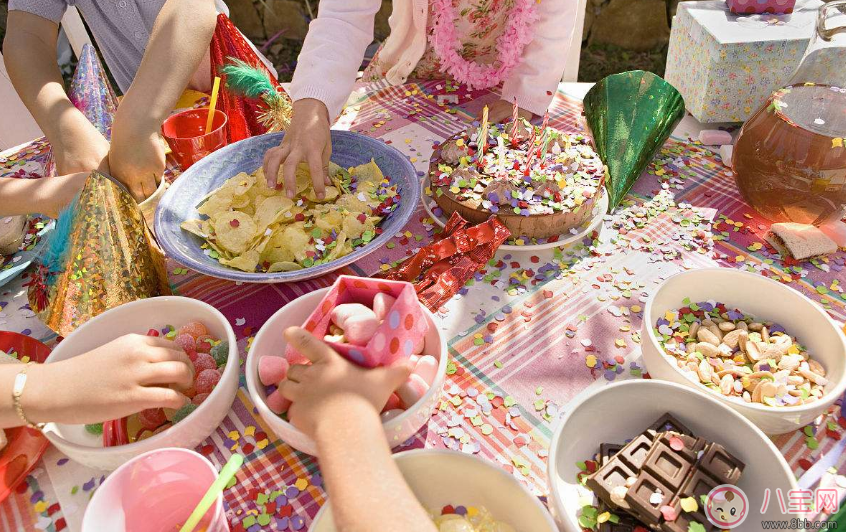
670	467
641	492
634	453
607	478
668	423
697	485
607	451
721	465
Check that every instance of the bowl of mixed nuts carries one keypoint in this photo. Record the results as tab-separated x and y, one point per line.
765	349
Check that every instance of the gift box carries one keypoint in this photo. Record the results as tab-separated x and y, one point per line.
761	6
726	65
401	334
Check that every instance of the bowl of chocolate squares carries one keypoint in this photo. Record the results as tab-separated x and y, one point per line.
646	455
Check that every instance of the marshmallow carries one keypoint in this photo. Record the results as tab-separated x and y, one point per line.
342	313
726	151
714	137
412	390
390	414
272	370
360	328
427	368
412	359
276	403
393	403
382	303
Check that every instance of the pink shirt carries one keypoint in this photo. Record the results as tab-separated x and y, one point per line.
338	37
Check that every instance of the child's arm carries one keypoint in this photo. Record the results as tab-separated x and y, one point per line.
123	377
325	73
29	51
534	81
48	195
178	42
337	404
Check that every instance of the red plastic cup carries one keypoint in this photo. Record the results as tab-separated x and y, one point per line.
185	134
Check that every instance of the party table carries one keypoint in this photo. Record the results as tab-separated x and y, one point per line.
531	334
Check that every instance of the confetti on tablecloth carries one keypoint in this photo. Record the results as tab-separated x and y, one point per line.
530	332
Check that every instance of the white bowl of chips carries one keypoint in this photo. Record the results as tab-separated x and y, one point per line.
221	219
270	342
138	317
767	301
619	412
440	478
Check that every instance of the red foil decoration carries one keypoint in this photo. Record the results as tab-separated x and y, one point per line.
242	113
439	270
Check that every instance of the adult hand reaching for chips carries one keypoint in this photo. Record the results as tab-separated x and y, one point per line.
307	140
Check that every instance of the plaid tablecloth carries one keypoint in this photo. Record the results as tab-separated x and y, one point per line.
531	333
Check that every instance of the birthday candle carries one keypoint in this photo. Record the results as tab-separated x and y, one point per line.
531	150
482	138
514	120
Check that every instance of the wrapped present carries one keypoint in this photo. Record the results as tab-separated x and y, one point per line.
725	65
750	7
401	334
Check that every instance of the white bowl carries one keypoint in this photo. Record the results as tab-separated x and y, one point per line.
621	411
270	342
138	317
440	477
767	300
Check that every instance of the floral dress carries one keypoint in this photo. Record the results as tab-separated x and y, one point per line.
480	24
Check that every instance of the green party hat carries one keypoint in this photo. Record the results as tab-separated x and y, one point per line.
630	116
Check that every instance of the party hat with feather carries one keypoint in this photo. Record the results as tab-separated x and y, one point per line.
99	256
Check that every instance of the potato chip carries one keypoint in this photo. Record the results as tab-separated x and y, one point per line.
234	231
369	172
270	209
284	266
246	262
249	226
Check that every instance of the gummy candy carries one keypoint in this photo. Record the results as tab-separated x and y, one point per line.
94	428
204	343
220	352
187	343
183	412
193	328
152	418
206	380
203	362
199	398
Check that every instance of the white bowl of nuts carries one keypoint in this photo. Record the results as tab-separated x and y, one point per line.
765	349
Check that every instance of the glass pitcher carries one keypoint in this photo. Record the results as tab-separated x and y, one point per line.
790	157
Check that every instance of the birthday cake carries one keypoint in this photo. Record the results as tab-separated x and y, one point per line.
540	182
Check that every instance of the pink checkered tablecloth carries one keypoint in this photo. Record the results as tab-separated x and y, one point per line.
531	332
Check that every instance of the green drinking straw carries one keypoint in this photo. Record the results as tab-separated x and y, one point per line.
232	466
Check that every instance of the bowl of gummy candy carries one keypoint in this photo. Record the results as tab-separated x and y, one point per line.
209	341
407	410
463	493
761	347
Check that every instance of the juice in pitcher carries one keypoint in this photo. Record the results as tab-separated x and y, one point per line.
790	157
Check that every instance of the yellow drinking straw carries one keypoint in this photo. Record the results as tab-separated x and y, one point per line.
212	104
226	474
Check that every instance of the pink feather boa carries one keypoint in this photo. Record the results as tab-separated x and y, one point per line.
446	44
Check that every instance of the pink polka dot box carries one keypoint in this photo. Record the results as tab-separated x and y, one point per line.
399	335
750	7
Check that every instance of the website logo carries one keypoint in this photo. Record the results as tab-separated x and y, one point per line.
726	506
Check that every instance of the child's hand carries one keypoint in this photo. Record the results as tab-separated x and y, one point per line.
306	139
331	381
501	111
83	151
122	377
137	160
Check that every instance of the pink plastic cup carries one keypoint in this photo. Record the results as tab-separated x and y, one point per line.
185	134
155	492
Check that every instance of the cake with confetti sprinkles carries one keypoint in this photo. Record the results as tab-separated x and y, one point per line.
467	519
539	181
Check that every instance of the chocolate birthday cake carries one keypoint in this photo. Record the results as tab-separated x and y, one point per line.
539	183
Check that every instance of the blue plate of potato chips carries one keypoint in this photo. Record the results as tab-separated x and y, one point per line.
220	218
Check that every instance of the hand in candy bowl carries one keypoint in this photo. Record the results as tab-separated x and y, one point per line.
404	413
203	336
